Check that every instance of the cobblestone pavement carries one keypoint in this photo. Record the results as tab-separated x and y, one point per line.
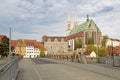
49	69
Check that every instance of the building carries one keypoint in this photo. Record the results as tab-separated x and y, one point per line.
55	45
114	51
20	47
27	48
88	32
90	54
32	48
112	42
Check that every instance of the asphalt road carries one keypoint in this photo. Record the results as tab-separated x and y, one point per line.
48	69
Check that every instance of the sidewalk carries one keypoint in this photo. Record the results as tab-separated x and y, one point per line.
28	70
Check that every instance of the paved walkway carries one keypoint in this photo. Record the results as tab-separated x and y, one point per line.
48	69
27	70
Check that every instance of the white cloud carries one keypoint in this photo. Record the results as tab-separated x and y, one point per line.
32	19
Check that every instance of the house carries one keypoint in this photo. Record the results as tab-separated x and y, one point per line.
90	54
27	48
112	42
20	47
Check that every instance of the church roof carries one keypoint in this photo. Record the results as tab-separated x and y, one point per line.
88	25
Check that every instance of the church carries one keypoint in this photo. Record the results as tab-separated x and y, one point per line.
85	33
82	34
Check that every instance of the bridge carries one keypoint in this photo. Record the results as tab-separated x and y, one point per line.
50	69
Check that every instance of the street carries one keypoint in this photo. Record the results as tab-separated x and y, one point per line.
49	69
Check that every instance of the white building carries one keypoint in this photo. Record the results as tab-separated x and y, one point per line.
32	48
113	42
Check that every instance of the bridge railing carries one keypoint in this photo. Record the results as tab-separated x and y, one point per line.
113	61
9	71
73	58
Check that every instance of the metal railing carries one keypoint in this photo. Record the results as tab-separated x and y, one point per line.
9	71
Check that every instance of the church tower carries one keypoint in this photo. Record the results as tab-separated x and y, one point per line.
75	20
68	24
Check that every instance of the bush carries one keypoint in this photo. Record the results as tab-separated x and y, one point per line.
42	53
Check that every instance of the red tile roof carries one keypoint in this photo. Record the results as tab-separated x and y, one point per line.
28	42
87	52
79	34
34	43
14	43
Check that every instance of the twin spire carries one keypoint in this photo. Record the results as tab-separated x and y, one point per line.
68	30
69	19
69	23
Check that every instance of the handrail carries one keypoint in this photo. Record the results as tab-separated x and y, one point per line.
9	70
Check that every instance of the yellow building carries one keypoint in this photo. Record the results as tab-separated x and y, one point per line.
20	48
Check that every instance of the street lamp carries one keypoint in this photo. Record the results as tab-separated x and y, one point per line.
112	53
10	42
83	56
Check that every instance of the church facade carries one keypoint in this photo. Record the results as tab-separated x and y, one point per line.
85	33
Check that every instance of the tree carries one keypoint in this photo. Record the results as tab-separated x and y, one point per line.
4	46
102	52
42	53
91	48
104	40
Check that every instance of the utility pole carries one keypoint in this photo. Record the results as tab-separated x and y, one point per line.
10	41
83	56
97	46
113	54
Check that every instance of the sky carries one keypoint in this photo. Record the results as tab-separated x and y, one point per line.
31	19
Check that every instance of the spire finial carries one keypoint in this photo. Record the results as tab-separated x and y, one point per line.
87	17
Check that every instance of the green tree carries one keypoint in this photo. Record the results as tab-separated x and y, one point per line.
102	52
91	48
42	53
104	40
4	46
78	43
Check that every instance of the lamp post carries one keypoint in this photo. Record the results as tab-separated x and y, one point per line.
83	56
10	42
112	53
97	46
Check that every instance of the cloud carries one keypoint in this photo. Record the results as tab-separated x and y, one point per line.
34	18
